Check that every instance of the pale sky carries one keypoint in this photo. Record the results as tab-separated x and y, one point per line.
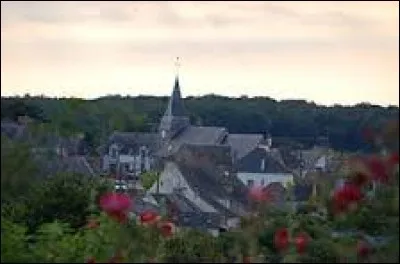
326	52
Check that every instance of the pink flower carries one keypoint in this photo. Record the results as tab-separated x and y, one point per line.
377	168
116	205
393	160
301	241
348	194
363	249
148	217
281	239
260	194
167	228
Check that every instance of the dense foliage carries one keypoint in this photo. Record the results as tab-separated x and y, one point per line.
70	218
303	122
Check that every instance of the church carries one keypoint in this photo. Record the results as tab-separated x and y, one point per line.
128	154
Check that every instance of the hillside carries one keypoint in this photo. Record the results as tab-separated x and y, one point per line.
300	121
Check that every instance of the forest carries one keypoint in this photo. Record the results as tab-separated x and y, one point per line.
299	121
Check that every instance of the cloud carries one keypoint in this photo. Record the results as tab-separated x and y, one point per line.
287	40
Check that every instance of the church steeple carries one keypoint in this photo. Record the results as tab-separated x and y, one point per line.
174	119
175	105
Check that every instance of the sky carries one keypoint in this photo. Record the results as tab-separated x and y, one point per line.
326	52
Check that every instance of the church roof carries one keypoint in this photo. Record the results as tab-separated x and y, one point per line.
195	135
175	105
242	144
205	178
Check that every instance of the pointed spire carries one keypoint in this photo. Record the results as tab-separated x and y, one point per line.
175	105
174	119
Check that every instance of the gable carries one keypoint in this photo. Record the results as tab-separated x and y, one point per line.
260	161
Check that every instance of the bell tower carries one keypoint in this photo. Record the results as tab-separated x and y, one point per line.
174	119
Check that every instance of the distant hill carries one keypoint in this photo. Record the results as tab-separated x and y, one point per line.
303	122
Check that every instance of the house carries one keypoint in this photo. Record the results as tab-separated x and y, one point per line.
262	166
203	176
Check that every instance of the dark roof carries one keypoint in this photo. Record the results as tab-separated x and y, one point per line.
133	141
200	220
140	206
214	154
55	164
194	135
252	162
204	177
242	144
175	105
178	201
12	130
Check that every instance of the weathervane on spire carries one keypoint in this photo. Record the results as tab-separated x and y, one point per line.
177	65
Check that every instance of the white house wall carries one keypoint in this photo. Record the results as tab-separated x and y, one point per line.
267	178
126	159
170	179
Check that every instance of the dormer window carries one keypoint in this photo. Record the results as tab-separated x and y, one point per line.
114	151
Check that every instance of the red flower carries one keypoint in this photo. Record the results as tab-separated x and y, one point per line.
91	260
260	194
167	228
349	193
393	160
116	205
92	223
301	241
281	239
377	168
360	179
363	249
148	217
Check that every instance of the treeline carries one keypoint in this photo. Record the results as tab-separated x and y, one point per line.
301	121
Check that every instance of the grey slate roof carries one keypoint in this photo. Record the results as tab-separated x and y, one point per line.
56	164
204	177
195	135
242	144
179	202
252	162
140	206
131	141
12	130
202	220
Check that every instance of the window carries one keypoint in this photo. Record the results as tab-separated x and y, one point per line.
142	153
113	168
262	182
250	183
114	152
